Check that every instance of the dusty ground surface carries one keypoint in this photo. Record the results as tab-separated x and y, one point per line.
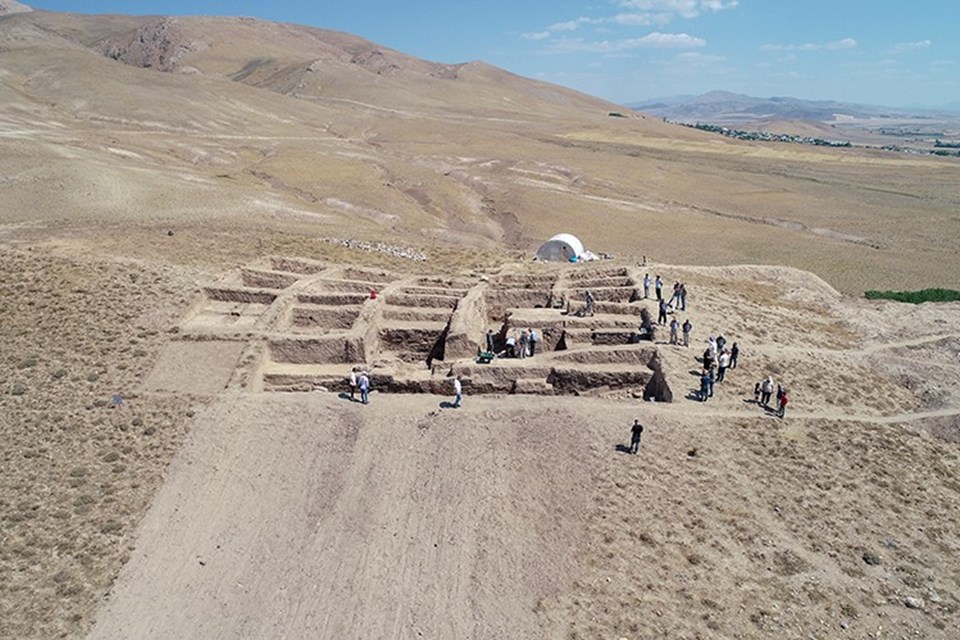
126	191
303	514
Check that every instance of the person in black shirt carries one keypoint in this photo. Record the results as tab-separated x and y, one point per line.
635	432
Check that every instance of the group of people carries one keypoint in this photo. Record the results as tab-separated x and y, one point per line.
359	381
717	358
678	300
763	390
675	328
518	343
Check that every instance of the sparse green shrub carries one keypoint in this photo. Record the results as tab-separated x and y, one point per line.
915	297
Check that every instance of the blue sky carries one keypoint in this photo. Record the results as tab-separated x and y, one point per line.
886	52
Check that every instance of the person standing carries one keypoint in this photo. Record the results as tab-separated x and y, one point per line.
675	298
723	361
782	404
683	297
524	342
364	383
534	339
687	328
710	380
589	303
646	286
707	358
704	385
353	384
658	285
721	343
734	353
674	327
489	340
766	390
457	392
662	316
635	432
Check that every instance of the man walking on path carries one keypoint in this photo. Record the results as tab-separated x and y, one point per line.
659	287
646	285
635	432
457	392
364	383
687	328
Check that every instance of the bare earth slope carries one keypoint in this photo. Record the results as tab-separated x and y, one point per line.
347	521
192	214
242	125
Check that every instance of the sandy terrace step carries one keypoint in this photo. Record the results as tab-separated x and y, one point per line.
432	291
267	279
603	294
537	386
240	294
420	300
323	285
333	299
311	316
415	314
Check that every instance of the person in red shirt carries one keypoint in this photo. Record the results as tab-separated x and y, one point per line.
782	404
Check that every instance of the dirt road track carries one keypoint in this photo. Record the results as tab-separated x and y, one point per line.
306	516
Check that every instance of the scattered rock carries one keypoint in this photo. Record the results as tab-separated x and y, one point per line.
871	558
912	602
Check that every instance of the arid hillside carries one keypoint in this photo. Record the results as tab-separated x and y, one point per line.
244	126
206	223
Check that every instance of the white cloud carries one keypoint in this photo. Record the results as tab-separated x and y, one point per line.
571	25
682	8
846	43
652	40
642	19
537	35
695	57
903	47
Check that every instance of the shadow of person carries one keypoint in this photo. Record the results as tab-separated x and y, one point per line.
621	448
693	395
448	405
695	372
343	395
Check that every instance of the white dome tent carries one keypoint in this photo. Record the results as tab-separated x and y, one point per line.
562	247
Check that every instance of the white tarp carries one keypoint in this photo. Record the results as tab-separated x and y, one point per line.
562	247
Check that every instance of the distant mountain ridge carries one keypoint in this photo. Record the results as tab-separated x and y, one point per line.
728	107
12	6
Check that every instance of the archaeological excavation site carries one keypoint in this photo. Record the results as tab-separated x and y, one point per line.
291	324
